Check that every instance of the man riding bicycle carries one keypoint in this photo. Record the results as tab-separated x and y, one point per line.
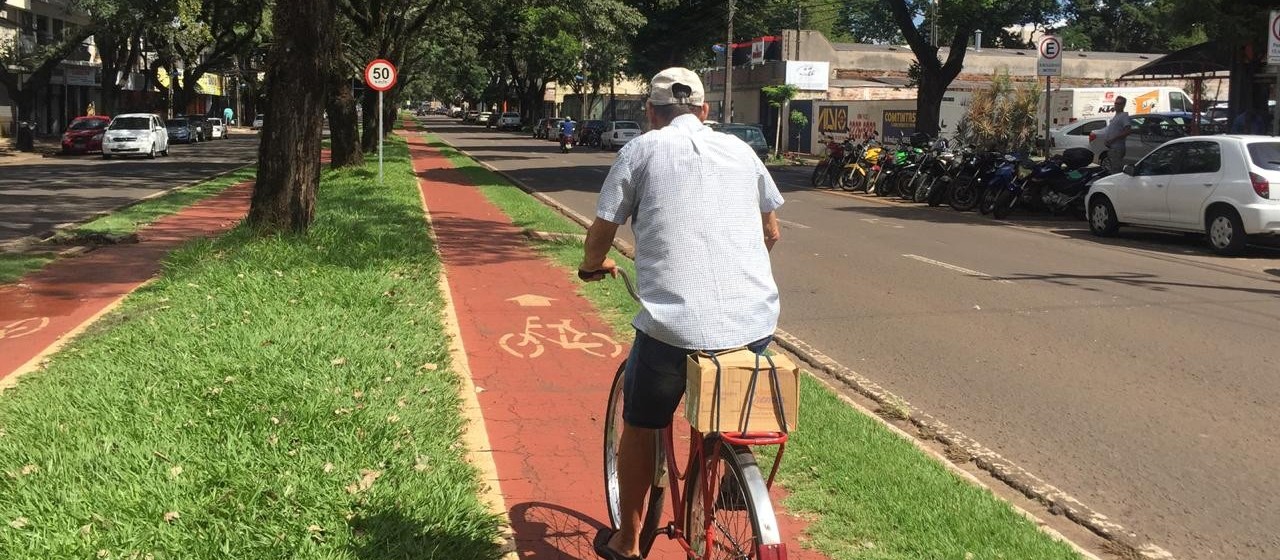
701	205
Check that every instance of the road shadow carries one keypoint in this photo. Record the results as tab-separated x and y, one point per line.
547	531
1182	244
392	535
1148	281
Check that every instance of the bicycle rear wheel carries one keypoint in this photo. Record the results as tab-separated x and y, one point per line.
739	517
613	424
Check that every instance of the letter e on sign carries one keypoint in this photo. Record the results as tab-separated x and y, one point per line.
1049	62
380	75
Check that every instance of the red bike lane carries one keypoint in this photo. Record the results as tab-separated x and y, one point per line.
542	361
45	308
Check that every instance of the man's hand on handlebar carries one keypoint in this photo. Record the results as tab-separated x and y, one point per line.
588	273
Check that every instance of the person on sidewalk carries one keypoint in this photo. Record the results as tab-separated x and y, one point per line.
701	205
1115	135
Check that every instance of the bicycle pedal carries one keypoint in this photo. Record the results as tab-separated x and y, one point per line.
730	497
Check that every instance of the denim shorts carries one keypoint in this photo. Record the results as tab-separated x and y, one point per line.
654	380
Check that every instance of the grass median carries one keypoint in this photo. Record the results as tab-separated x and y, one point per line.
869	493
123	222
265	398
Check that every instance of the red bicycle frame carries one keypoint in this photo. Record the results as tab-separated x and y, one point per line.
708	465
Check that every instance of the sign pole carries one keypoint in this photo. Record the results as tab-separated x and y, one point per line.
380	132
1048	111
380	75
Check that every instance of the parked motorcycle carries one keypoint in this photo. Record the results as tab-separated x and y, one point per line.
1056	184
824	173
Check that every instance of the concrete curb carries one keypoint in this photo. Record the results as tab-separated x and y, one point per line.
24	243
1031	486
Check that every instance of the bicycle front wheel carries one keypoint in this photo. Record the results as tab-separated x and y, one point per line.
735	520
613	425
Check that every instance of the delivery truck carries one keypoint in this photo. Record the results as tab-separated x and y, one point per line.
1069	105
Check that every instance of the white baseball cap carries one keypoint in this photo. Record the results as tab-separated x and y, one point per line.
676	86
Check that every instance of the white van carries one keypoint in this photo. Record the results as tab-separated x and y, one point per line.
1075	104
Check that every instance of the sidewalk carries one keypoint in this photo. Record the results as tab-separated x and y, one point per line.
543	413
37	314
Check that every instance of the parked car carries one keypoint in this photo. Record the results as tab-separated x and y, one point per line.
135	134
493	119
617	133
1076	135
202	124
85	134
182	131
588	132
1150	131
471	116
219	128
750	134
1219	185
257	122
457	112
509	121
548	128
483	117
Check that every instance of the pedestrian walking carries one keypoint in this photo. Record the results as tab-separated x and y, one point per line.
702	207
1115	135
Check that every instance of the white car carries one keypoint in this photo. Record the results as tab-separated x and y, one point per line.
257	122
617	133
509	121
1219	185
1076	135
219	128
135	134
483	118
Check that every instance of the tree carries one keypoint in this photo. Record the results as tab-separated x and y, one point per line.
778	97
298	68
957	20
36	62
195	37
1146	26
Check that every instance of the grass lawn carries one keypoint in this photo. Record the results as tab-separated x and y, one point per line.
266	398
14	266
133	218
870	494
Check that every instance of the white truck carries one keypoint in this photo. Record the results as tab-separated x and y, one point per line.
1069	105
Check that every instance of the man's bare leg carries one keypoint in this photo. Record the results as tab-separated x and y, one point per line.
635	475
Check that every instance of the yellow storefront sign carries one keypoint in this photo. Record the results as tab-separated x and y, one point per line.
208	84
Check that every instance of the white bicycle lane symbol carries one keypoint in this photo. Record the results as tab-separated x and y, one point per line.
23	327
532	342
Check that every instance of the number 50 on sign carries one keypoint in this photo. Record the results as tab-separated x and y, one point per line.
380	75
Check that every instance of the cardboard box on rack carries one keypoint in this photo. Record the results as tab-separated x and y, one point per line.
736	370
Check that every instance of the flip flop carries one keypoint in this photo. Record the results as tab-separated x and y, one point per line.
601	545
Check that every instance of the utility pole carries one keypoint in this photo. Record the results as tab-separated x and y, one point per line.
727	112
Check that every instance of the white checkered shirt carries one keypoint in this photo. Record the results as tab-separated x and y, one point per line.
695	198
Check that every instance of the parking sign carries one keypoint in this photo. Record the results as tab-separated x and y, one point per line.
1050	61
1273	38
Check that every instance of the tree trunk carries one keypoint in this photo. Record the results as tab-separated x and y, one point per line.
298	67
344	130
933	87
369	124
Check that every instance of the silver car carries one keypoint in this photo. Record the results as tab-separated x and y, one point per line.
617	133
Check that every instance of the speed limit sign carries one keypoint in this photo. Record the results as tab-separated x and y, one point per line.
380	75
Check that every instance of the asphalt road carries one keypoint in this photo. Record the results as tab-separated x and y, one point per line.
36	196
1140	375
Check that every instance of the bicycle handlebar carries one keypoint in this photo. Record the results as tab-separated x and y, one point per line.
626	279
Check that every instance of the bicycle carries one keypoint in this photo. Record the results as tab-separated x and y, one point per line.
722	484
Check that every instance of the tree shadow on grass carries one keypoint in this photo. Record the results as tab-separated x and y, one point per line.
393	535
